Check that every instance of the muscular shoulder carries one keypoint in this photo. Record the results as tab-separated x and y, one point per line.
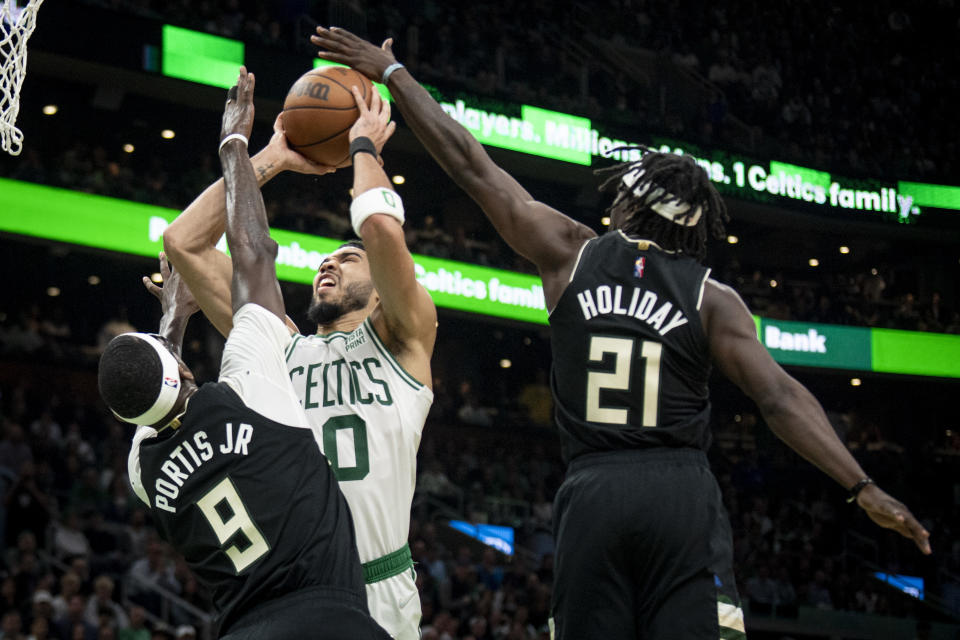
720	303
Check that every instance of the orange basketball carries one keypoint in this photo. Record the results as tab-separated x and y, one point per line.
319	111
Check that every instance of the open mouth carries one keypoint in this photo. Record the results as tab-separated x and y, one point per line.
326	282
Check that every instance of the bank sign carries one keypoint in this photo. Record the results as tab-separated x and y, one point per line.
860	348
133	228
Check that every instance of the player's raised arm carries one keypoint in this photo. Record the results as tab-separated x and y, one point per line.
406	311
791	410
190	240
252	251
542	234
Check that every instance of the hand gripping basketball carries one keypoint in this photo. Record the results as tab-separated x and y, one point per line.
238	112
374	121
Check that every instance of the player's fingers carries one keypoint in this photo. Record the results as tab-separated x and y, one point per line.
333	57
342	34
246	87
164	265
376	104
913	529
358	98
387	45
153	289
278	123
390	129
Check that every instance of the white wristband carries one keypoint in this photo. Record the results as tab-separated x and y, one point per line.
233	136
376	200
385	78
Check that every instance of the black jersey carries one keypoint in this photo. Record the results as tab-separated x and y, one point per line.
251	504
630	358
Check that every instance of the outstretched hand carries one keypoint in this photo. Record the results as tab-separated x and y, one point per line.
174	296
374	121
342	46
890	513
238	112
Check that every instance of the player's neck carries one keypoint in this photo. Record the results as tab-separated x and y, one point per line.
345	323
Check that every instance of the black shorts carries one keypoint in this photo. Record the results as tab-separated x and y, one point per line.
317	613
643	550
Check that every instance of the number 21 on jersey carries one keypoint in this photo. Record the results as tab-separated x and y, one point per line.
619	379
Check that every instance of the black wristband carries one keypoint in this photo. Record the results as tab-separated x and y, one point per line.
857	488
363	144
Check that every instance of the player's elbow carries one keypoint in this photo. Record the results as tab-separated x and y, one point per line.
781	397
253	253
175	243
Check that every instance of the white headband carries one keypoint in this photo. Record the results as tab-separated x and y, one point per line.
169	387
671	207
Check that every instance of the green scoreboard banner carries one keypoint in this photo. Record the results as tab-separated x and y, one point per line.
137	229
860	348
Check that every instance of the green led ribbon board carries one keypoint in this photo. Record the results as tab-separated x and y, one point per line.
133	228
860	348
208	59
200	57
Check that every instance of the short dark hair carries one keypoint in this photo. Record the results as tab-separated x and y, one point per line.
129	376
353	242
677	177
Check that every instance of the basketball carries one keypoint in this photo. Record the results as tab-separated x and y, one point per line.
319	110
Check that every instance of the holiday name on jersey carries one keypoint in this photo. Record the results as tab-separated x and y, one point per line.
188	457
643	305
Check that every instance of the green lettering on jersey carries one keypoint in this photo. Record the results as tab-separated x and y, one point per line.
311	383
339	364
360	449
387	400
327	401
368	398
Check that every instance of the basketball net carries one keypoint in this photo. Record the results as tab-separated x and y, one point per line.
16	25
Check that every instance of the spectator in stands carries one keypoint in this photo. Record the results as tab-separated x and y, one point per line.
11	626
155	570
43	605
40	629
69	587
102	603
818	591
761	591
136	628
68	537
72	624
27	507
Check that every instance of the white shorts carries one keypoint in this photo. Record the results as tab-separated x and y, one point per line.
395	604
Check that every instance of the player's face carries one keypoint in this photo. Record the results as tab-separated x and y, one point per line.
342	284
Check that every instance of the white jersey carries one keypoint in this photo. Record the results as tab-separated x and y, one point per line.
370	413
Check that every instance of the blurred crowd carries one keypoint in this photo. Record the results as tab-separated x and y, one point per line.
860	89
869	298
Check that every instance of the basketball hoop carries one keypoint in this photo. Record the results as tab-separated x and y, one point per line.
16	25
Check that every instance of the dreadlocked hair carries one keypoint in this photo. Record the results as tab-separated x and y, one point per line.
668	177
129	376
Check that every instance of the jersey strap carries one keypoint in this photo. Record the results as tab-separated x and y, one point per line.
392	564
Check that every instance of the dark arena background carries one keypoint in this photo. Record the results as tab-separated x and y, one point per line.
829	128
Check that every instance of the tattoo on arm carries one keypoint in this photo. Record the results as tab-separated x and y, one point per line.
262	170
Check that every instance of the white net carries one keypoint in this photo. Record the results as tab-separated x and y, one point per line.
16	25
